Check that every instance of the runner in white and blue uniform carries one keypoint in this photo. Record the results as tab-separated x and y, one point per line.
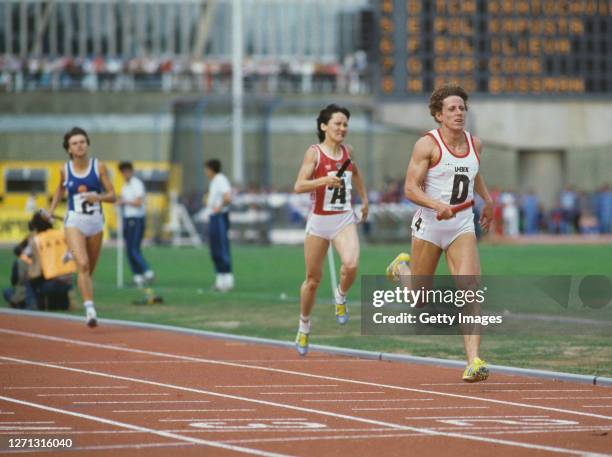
87	185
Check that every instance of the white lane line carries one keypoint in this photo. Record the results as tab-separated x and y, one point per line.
494	391
377	399
320	431
139	428
566	398
26	422
419	409
66	387
101	395
464	384
300	374
396	435
597	406
477	417
345	392
254	419
32	428
6	412
262	386
147	402
158	410
424	431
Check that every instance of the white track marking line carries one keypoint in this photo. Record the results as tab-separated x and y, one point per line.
494	391
424	431
300	374
237	420
101	395
81	387
597	406
391	435
419	409
32	428
464	384
146	402
27	422
6	412
346	392
139	428
277	385
566	398
158	410
479	417
378	400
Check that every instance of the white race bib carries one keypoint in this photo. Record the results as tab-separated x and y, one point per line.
82	206
339	199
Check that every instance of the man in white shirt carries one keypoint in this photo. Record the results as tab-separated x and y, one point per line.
132	200
217	205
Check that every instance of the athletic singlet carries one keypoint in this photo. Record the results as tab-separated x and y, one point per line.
327	200
76	185
451	179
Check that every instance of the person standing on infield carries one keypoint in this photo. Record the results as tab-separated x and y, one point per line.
218	200
87	183
133	202
443	172
331	218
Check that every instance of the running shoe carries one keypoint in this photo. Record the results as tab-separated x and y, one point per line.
301	343
392	269
90	316
477	371
342	313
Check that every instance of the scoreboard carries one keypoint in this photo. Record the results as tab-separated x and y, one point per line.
517	47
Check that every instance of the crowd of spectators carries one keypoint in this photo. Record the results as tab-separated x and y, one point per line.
261	76
575	211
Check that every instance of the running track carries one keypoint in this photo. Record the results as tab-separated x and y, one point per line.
139	392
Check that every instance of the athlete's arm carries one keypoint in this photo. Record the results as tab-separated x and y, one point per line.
57	196
361	190
109	191
480	187
423	154
304	181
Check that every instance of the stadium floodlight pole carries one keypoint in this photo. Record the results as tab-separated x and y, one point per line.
237	93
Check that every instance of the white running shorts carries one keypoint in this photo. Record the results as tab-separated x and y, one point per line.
426	227
88	224
328	226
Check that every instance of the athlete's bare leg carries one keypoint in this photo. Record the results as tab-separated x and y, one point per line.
346	243
464	262
424	258
315	250
94	245
77	243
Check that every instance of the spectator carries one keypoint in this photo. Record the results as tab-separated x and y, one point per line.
133	205
19	294
530	206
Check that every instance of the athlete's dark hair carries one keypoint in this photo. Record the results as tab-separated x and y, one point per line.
438	96
214	165
326	114
73	132
125	166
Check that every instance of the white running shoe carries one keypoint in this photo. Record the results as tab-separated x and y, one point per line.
90	316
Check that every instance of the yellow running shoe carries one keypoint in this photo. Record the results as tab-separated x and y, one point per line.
392	269
477	371
301	343
342	314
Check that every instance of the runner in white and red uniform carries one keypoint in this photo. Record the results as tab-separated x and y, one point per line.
331	218
444	172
